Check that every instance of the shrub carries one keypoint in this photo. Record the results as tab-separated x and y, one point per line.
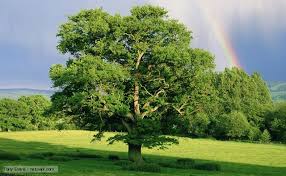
123	163
59	158
233	125
254	134
208	166
9	156
199	124
48	154
265	137
182	163
65	124
176	166
186	161
113	157
36	156
142	167
84	155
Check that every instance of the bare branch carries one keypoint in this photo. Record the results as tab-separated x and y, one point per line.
179	110
159	92
140	55
150	111
146	90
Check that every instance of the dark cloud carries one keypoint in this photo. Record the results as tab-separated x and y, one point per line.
28	36
28	33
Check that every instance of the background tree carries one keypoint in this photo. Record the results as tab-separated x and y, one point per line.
239	92
275	122
37	107
26	113
127	71
14	115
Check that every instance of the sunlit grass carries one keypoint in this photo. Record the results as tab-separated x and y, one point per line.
236	158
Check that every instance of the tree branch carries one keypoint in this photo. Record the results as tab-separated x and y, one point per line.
179	110
127	126
150	111
140	55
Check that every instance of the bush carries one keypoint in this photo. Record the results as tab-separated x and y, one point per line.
84	155
182	163
9	156
265	137
176	165
36	156
254	134
142	167
65	124
186	161
123	163
113	157
59	158
233	125
199	124
48	154
208	166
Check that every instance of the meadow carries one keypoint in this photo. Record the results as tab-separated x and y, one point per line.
235	158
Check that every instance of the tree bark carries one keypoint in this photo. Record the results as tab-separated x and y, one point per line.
134	153
136	99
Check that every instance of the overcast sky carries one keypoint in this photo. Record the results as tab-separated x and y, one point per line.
256	30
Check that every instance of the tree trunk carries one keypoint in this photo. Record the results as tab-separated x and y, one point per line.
134	153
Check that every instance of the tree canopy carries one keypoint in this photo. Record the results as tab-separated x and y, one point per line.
137	74
128	71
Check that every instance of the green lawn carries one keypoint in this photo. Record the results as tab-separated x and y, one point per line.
235	158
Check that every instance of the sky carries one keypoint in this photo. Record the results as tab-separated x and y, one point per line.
252	33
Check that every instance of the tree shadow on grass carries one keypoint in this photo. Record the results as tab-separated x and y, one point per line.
228	168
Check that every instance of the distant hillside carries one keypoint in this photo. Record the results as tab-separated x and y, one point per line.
16	93
278	90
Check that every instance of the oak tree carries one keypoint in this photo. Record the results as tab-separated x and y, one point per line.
126	73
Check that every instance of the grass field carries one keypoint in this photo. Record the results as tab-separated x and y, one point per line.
235	158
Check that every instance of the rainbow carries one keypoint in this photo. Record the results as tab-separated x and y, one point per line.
221	36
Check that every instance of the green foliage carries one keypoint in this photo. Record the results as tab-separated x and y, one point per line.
26	113
143	167
233	125
254	134
182	163
265	137
199	124
127	73
208	166
186	161
84	155
123	163
14	115
146	132
276	122
238	91
31	113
